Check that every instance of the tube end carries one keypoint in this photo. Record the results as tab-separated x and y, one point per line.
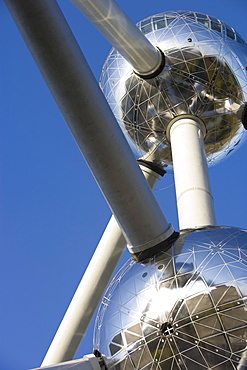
160	247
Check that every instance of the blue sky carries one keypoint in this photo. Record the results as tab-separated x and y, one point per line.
52	212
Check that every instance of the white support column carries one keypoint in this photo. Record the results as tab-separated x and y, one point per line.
194	198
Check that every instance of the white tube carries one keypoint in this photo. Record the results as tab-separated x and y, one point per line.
194	198
122	33
91	122
88	362
91	289
87	296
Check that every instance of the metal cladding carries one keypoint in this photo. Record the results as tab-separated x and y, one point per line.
204	75
185	307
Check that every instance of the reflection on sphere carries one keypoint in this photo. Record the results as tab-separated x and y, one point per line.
185	307
204	75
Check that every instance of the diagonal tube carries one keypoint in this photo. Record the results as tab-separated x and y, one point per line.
91	122
123	34
90	290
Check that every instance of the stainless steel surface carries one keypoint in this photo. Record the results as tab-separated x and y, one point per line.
205	75
122	33
91	121
182	309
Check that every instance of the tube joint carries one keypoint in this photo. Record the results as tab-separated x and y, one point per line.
163	246
157	70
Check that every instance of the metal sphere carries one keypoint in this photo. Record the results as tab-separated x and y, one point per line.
185	307
204	75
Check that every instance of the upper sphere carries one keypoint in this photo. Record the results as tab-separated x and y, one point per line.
204	75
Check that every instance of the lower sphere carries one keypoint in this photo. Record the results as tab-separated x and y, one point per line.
181	309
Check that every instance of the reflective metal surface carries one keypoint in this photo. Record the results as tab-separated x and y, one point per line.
183	309
205	75
122	33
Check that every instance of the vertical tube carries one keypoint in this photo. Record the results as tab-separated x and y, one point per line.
91	288
194	197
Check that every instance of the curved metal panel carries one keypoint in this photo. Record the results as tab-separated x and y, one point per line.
185	307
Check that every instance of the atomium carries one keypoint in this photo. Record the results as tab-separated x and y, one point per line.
184	308
204	75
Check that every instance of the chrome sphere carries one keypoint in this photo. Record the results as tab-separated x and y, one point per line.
204	75
185	307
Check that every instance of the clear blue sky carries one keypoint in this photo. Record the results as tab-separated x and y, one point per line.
52	213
